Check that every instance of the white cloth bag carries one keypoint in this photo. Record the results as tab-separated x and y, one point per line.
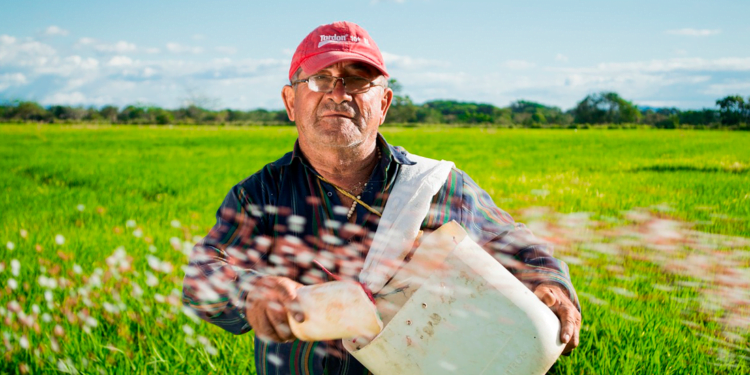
405	209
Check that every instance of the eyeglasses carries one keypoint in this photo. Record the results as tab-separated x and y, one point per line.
325	83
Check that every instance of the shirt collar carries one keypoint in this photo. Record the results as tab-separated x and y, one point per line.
389	152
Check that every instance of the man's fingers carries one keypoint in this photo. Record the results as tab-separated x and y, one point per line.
570	320
295	309
263	328
546	295
279	324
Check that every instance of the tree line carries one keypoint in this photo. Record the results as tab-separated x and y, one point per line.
599	109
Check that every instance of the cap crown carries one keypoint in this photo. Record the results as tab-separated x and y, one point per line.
339	41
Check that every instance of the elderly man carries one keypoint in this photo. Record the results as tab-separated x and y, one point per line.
321	203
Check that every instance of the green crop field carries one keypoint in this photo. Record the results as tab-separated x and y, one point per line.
95	224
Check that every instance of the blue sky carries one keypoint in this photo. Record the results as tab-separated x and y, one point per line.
236	54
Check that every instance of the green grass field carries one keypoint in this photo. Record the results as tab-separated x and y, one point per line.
95	223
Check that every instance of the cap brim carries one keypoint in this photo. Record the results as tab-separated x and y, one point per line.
317	62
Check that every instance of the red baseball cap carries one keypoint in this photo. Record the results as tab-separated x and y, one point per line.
339	41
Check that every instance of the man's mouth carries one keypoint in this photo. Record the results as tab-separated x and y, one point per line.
336	114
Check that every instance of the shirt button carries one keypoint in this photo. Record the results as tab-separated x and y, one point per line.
330	194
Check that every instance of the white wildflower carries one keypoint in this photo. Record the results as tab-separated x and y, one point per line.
176	224
91	322
15	267
13	284
151	280
80	207
24	342
110	308
130	223
59	239
188	330
24	233
35	309
77	269
137	291
10	245
138	233
46	317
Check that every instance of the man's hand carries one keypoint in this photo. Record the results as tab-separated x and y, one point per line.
267	306
554	296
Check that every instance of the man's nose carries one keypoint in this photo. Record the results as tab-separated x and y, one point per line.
338	94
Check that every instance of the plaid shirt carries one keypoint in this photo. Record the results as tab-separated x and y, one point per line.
278	220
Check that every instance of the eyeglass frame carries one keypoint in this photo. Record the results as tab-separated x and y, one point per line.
336	80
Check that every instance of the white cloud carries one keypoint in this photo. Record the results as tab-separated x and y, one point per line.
23	53
560	57
393	61
151	50
66	98
729	88
694	32
119	47
179	48
670	65
12	79
226	49
120	60
85	41
70	66
7	39
519	64
55	31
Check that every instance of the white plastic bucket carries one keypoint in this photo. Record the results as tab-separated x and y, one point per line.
470	316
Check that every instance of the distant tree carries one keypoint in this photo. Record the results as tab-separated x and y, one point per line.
606	107
161	116
92	114
133	115
702	117
402	108
538	117
109	113
67	113
395	86
29	111
733	110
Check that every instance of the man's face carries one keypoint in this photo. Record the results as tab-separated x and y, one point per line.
337	119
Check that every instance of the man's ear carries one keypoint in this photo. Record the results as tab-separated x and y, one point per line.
287	94
385	103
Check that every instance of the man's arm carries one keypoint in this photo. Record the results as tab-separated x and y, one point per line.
222	284
220	265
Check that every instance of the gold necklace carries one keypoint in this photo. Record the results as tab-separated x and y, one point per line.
358	198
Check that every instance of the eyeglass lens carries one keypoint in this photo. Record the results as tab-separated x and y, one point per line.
352	85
